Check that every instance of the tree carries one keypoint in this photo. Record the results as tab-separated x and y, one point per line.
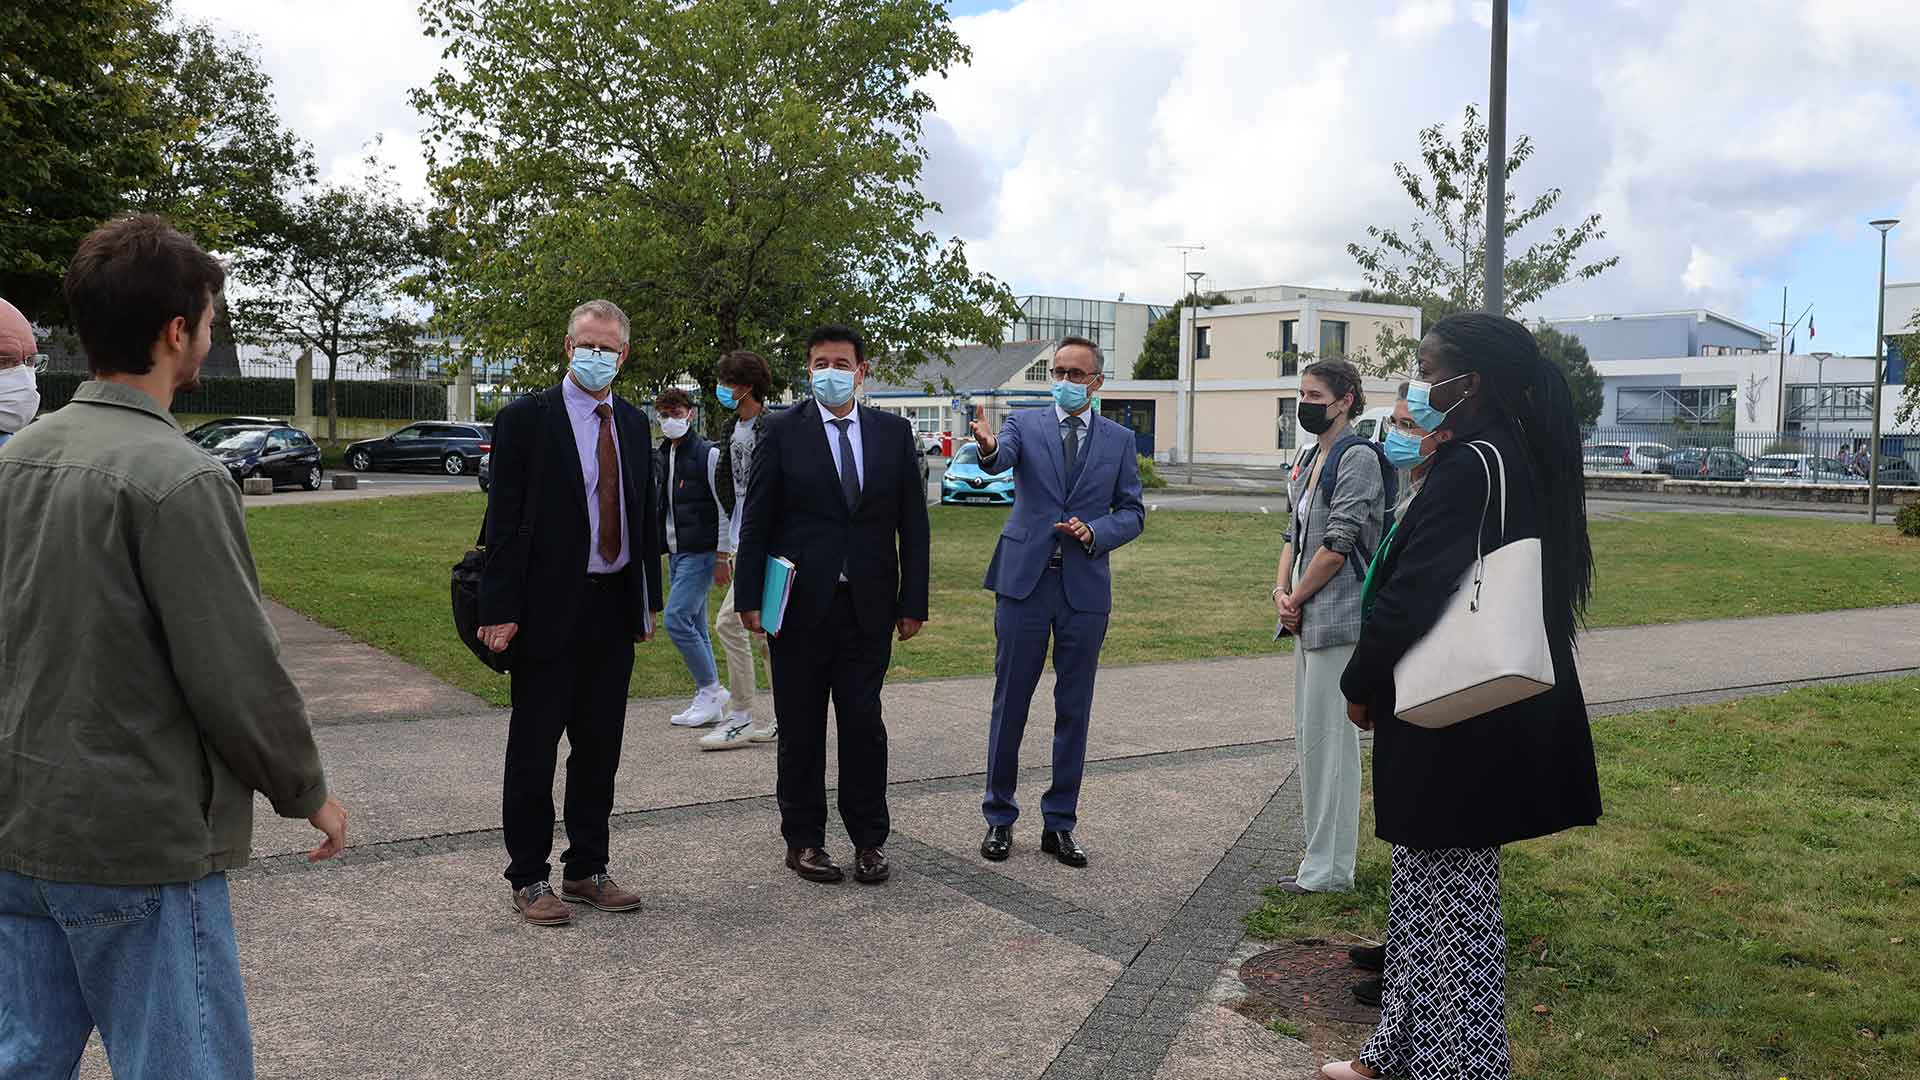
1442	258
1909	346
1160	349
730	173
332	277
1566	351
109	107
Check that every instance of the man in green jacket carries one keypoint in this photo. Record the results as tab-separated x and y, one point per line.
142	698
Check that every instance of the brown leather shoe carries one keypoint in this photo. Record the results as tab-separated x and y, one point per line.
814	864
537	905
870	866
599	891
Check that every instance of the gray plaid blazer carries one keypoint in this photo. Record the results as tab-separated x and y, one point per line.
1350	523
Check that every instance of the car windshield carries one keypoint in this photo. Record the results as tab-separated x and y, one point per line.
239	440
968	454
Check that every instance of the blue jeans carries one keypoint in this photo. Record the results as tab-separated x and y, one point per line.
153	966
691	577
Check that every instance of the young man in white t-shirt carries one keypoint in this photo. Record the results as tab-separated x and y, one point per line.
743	382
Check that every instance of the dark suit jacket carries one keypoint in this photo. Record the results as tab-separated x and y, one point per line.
794	508
537	577
1515	773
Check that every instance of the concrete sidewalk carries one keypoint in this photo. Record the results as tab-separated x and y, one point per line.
402	957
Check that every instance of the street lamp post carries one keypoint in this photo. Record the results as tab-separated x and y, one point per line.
1819	404
1497	164
1193	361
1885	225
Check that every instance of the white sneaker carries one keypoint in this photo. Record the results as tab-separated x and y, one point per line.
770	733
707	708
731	735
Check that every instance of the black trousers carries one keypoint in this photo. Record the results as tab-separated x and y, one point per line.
836	660
582	692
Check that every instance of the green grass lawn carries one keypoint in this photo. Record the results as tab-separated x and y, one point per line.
1748	906
1195	585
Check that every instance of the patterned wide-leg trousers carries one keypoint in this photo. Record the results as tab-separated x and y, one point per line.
1443	1001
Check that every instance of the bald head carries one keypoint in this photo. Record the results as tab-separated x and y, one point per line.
16	337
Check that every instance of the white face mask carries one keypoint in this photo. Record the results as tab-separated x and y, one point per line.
675	427
19	397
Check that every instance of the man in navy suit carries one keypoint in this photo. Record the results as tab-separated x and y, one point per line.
1078	486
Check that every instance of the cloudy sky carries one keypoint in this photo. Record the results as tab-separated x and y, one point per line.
1731	146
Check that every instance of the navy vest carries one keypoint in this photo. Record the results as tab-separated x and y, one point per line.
688	497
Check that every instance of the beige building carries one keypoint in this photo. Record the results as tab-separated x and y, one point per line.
1246	386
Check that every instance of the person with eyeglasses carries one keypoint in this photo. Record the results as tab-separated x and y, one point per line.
1078	479
19	362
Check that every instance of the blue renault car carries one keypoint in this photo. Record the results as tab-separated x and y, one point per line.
966	482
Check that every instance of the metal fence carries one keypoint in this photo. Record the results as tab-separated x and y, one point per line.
1839	456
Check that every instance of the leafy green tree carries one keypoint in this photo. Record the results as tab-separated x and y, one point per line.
1566	351
333	278
729	172
1441	258
109	106
1160	349
1909	346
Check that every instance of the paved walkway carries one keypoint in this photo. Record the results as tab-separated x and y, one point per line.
401	958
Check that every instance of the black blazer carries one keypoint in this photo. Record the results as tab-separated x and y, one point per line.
539	579
1523	771
794	508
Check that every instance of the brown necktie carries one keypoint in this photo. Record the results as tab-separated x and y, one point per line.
606	488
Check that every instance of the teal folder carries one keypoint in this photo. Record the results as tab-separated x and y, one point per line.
773	599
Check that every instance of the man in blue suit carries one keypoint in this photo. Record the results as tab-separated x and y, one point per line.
1078	498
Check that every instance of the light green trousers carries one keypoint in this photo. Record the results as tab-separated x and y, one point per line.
1329	747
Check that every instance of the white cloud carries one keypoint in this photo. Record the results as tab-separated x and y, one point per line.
1419	18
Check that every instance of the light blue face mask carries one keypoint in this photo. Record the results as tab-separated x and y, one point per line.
724	394
1403	450
594	368
1419	405
1070	396
832	387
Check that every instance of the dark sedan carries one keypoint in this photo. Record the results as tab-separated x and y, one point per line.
454	449
1698	464
282	454
210	432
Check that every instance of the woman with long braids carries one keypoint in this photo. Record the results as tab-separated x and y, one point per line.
1448	798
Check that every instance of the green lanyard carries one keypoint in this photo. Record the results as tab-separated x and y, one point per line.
1373	571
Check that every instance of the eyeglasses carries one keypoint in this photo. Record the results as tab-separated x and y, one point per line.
1074	376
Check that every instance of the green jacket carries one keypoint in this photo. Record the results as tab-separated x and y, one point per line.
142	698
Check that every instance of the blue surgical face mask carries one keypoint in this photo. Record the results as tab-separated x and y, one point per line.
1420	408
1403	450
725	395
1070	396
594	368
832	387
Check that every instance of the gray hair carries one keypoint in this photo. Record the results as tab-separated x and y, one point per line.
1099	358
601	309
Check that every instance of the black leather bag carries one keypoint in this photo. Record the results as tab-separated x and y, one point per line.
467	572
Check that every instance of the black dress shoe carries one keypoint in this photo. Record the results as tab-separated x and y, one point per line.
815	865
870	866
998	844
1368	957
1367	992
1062	846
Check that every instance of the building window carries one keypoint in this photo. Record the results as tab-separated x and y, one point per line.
1289	335
1287	423
1830	402
1038	372
1333	338
1203	342
1669	404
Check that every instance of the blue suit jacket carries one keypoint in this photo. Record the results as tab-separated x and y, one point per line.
1105	495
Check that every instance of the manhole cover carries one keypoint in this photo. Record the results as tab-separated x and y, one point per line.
1309	977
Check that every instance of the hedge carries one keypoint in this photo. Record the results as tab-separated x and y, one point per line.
222	395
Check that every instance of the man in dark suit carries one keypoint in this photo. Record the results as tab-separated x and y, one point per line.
572	581
1079	485
836	489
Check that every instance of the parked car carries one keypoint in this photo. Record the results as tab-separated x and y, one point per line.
205	434
1374	424
966	482
284	455
929	445
1642	457
1898	472
1802	469
454	449
1695	463
486	471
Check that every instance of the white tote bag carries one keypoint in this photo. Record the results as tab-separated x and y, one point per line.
1489	648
